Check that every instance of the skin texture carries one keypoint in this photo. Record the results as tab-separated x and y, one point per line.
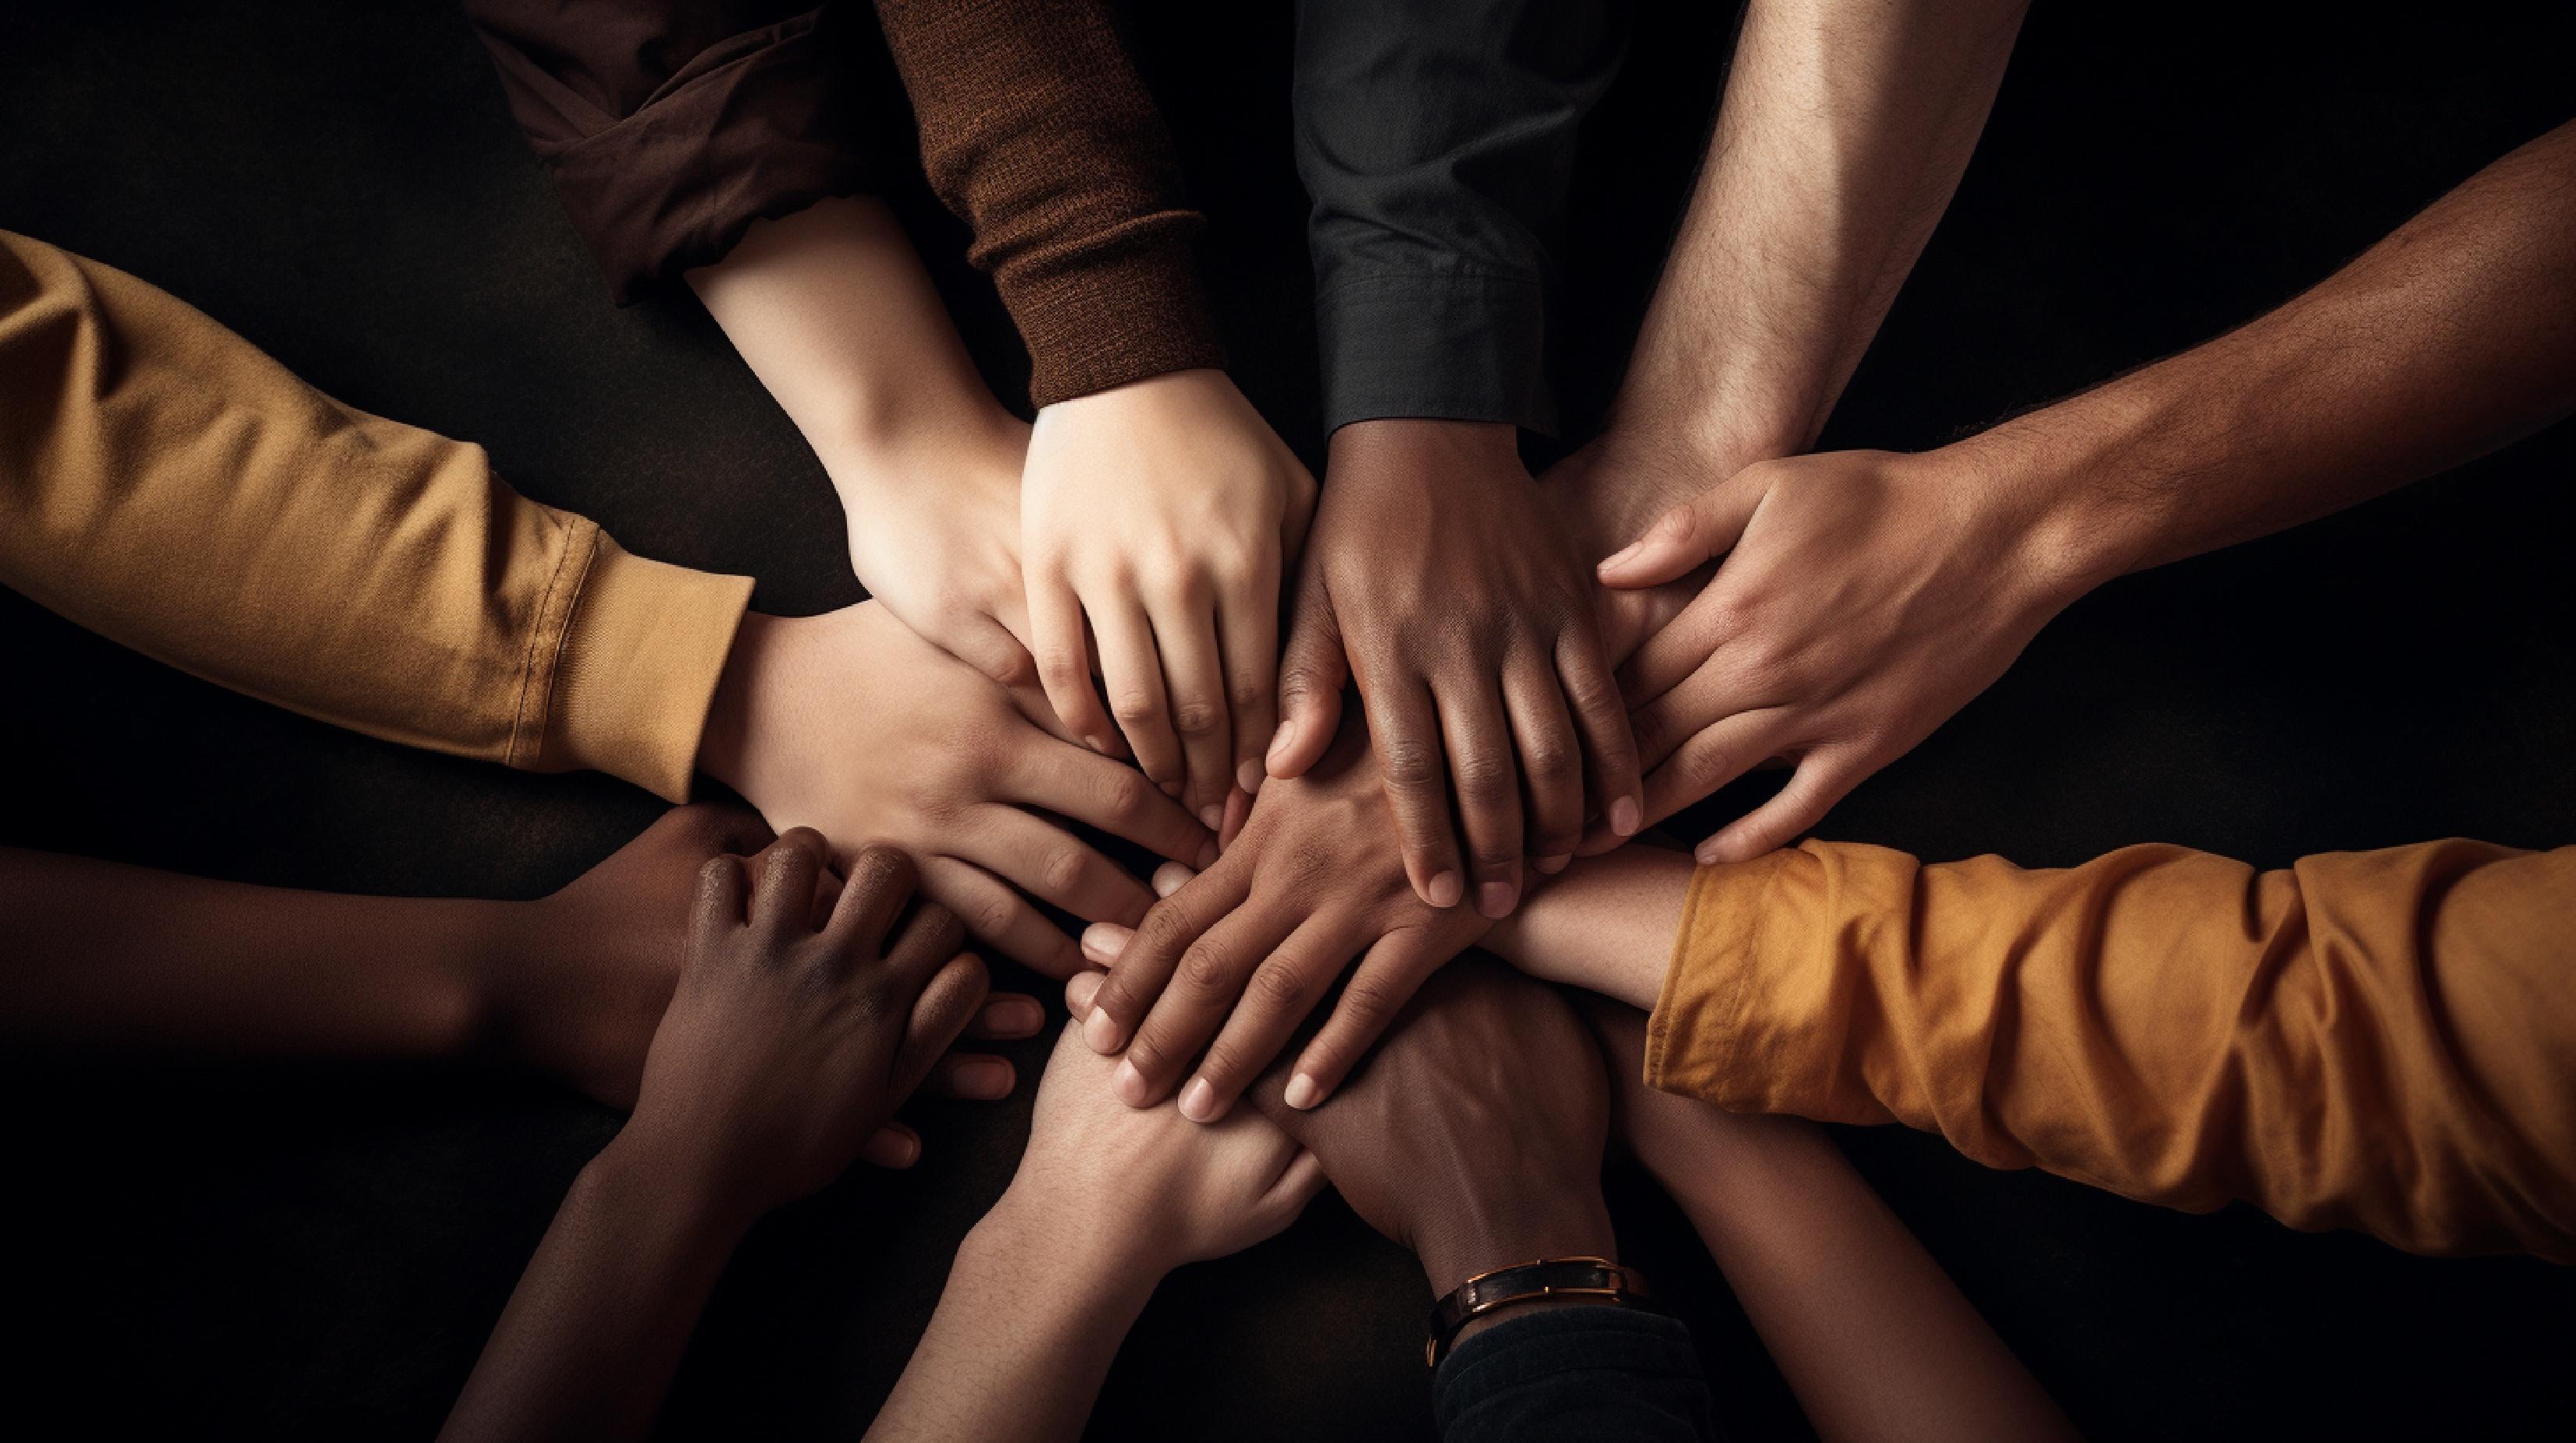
849	721
107	956
794	1033
1874	1338
1160	516
1473	1136
1442	584
1108	1199
832	311
1865	597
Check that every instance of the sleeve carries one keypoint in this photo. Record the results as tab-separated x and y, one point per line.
670	127
1574	1375
1437	142
1037	132
166	485
2375	1040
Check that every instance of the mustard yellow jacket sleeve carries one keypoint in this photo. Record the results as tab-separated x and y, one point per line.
2374	1040
165	484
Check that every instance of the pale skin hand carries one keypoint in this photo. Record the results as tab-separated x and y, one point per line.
1158	517
849	721
1107	1201
1865	597
832	311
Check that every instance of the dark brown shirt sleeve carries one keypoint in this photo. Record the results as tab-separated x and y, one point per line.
1037	131
669	128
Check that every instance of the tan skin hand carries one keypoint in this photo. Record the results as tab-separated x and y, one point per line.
850	722
1158	517
1863	598
1441	582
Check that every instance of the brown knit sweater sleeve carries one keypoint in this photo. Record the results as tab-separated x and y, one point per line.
1036	130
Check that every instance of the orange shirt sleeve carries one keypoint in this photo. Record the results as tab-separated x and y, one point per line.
2375	1040
167	485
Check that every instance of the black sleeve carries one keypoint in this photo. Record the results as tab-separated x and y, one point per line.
1436	139
1574	1375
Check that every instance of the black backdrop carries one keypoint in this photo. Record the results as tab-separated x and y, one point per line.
318	1253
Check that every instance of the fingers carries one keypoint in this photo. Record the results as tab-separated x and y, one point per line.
1007	1017
1206	986
1712	757
1248	638
1145	967
893	1145
1698	530
1109	795
1276	999
782	897
738	830
986	645
1064	661
1385	980
948	1001
1405	729
724	888
931	936
1312	672
1050	864
880	882
1488	778
970	1077
1602	717
1296	1186
1679	650
1000	917
1194	678
1078	992
1820	781
1133	673
1551	761
1238	810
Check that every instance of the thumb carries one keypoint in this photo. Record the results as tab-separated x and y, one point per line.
1312	672
1699	530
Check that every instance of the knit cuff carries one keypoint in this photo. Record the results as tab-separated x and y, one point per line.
628	693
1123	307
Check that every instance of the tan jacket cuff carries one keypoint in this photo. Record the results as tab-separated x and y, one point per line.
1690	1038
629	691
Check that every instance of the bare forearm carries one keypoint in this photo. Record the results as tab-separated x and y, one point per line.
2451	337
1871	1334
595	1330
1606	925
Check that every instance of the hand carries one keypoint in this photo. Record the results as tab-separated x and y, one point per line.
787	1048
1233	961
1163	512
934	522
850	722
1864	597
1474	1133
1440	580
1100	1174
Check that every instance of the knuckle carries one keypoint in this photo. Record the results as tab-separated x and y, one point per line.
1410	766
991	916
1197	718
1135	709
1549	760
1061	870
1484	775
1275	984
1127	793
1367	1003
1062	671
1206	970
1163	931
1248	694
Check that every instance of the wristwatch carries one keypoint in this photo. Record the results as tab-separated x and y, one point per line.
1584	1277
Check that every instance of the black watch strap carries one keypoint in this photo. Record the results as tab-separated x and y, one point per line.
1585	1277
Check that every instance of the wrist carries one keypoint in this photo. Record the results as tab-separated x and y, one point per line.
1405	441
1515	1223
2070	535
731	738
666	1189
1061	1266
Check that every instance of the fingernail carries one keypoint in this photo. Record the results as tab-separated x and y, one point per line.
1555	864
1622	554
1705	853
1102	942
1495	899
1207	859
1172	877
1278	744
907	1151
1625	816
1249	775
1129	1084
1079	992
1211	816
1101	1031
1304	1092
1198	1101
1445	890
1015	1015
984	1079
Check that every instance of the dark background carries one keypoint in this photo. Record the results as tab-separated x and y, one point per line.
295	1252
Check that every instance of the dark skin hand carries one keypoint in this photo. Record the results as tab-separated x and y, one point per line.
108	956
1474	1133
793	1035
1439	580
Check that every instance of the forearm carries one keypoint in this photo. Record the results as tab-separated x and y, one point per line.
107	955
1843	134
1606	924
1874	1338
595	1330
1024	1335
2453	336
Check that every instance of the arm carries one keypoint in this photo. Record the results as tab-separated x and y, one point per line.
793	1035
168	486
1866	597
1874	1338
1106	1202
